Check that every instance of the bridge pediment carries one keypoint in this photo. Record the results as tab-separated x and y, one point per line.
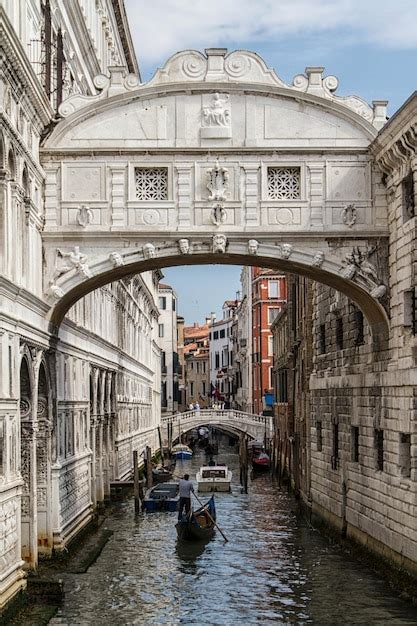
217	99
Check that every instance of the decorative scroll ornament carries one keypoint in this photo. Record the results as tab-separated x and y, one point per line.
217	182
217	113
358	266
218	214
219	243
184	246
349	215
84	216
253	246
116	259
55	291
74	260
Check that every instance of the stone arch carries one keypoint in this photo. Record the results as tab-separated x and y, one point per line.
25	181
324	267
43	461
11	164
2	151
26	469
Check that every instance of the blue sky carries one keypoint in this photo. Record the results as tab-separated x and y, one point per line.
370	45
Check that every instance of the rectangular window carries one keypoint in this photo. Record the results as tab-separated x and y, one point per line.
322	339
319	434
354	442
408	198
405	455
283	183
222	333
410	308
339	333
162	303
335	446
272	313
203	388
359	327
174	304
273	289
191	389
216	360
282	386
216	334
270	345
160	330
379	448
151	183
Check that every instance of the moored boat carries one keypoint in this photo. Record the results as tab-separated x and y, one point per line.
200	525
181	451
260	461
214	478
162	497
162	474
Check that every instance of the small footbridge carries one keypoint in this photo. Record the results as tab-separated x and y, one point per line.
229	420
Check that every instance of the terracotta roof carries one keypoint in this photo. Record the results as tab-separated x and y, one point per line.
190	347
196	331
163	286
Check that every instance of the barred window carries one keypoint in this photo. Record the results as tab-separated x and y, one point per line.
283	183
151	183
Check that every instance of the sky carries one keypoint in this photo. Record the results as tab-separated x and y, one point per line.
370	45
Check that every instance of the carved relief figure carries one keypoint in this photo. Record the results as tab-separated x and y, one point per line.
358	264
116	259
253	246
218	214
219	243
73	260
148	251
184	246
349	215
217	113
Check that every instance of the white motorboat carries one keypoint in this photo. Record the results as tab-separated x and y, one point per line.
214	478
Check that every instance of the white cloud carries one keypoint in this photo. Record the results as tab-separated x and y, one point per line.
162	27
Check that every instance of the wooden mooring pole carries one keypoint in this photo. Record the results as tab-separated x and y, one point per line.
136	488
243	457
148	462
161	447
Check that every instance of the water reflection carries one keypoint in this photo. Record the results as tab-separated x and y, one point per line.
274	569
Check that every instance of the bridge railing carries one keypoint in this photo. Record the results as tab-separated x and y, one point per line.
217	414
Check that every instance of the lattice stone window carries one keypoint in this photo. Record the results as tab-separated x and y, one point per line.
283	183
151	183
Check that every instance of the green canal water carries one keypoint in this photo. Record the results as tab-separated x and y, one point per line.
274	570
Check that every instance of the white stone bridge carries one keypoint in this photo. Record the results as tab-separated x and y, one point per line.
229	420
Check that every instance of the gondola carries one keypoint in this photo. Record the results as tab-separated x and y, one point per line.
198	527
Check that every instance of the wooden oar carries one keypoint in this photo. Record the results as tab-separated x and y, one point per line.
210	517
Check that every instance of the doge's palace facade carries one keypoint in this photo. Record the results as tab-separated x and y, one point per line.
72	409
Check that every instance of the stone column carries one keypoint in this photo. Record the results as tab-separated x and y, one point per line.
118	196
251	195
184	195
93	435
316	195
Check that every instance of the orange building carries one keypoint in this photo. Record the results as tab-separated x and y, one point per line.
269	295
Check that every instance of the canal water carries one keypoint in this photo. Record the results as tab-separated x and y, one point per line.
274	570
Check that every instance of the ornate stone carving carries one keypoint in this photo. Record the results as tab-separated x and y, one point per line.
218	214
217	182
55	291
184	246
349	215
358	265
286	250
148	251
219	243
318	259
217	113
73	260
151	183
253	246
84	216
283	183
116	259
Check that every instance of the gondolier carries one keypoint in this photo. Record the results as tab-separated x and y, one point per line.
186	488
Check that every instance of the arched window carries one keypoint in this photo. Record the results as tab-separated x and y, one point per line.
25	182
11	165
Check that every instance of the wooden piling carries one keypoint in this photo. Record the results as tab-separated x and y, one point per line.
136	487
161	447
148	462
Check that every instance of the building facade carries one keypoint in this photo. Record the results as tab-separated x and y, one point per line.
73	407
168	342
222	355
268	297
197	368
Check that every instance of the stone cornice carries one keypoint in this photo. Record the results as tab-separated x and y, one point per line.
396	144
11	130
17	57
125	37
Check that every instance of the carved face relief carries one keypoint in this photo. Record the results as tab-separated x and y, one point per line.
286	250
253	246
219	243
318	259
148	251
116	259
184	246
